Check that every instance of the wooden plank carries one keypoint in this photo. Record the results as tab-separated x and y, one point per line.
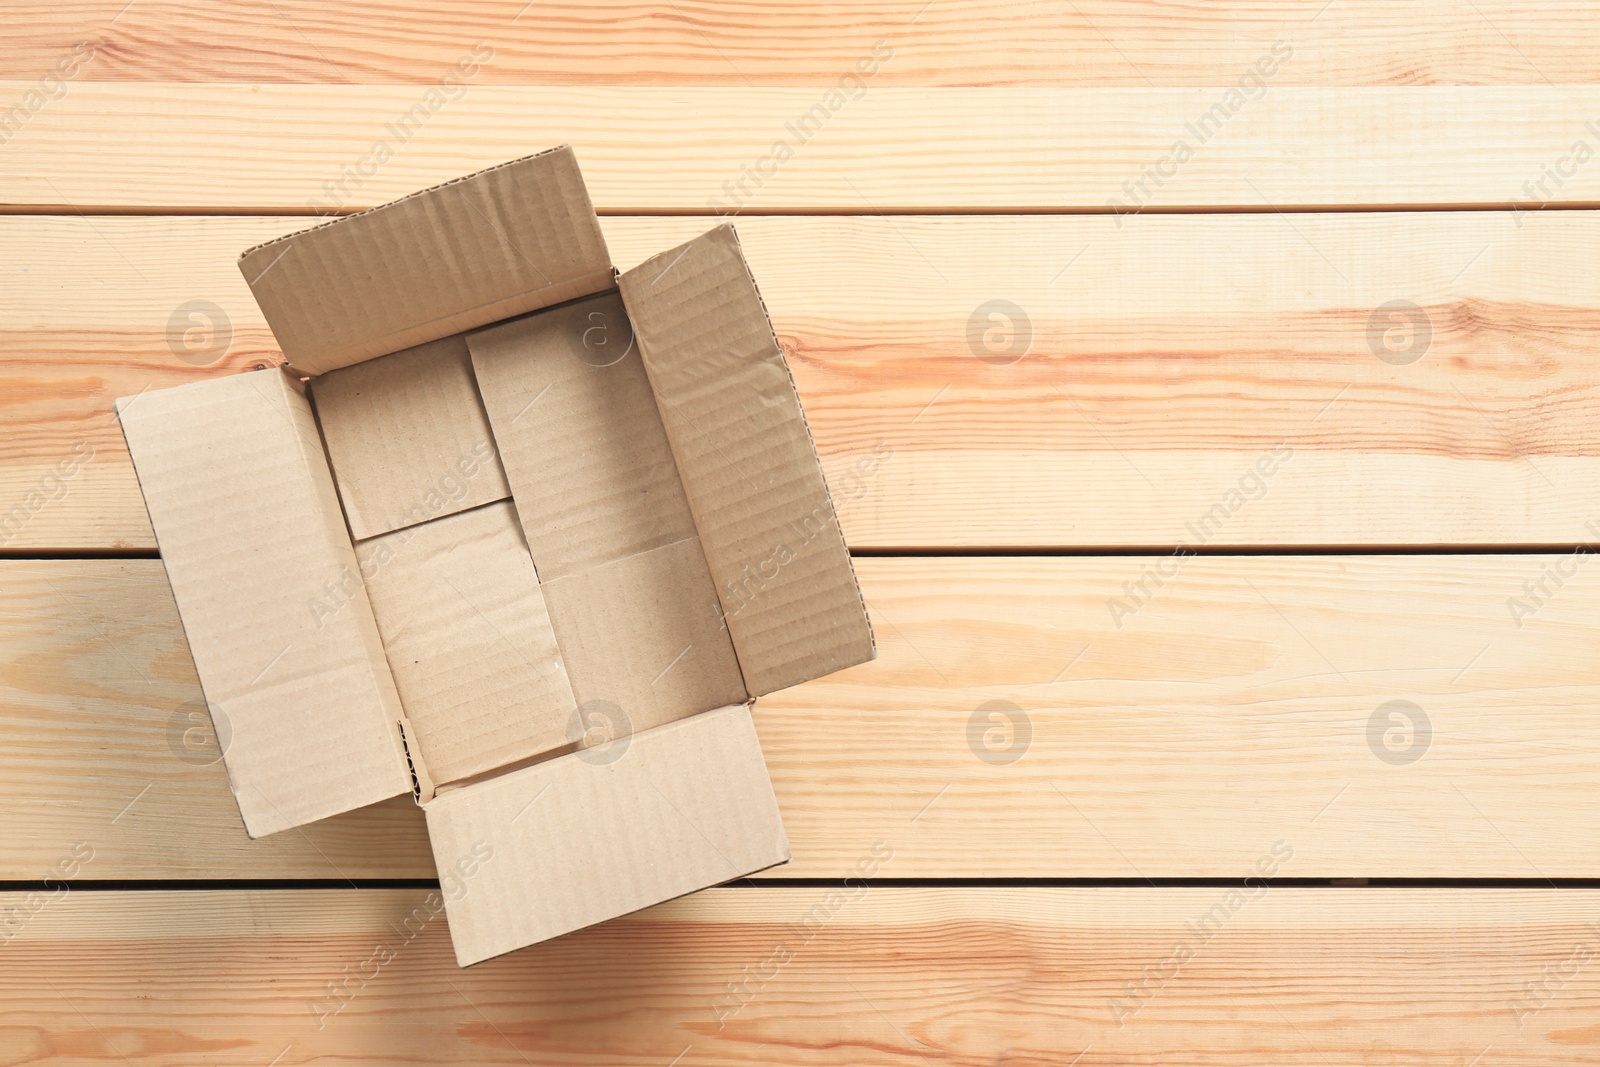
868	975
948	42
1166	357
1249	699
711	149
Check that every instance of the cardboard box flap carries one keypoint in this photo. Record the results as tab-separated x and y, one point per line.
497	243
633	602
469	641
578	431
267	587
407	438
749	467
600	833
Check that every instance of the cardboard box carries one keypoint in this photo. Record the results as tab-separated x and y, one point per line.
514	533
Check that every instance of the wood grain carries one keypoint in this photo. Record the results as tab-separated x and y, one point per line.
873	975
1238	378
1235	707
271	148
696	42
1166	357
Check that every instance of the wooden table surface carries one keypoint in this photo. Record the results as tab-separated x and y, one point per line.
1321	787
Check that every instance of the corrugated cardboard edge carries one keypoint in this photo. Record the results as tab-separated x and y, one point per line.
816	457
396	203
457	321
397	428
811	439
117	406
498	876
422	787
277	820
671	256
805	421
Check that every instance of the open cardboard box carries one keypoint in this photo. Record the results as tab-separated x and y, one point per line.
510	531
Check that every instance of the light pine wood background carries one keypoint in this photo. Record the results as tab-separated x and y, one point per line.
1084	903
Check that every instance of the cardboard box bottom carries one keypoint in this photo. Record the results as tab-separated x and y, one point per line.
469	640
592	835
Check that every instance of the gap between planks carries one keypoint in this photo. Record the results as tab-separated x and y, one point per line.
1161	363
893	976
947	42
272	147
1020	721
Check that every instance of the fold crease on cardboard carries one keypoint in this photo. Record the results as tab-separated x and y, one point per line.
748	464
561	845
408	438
270	595
472	251
527	545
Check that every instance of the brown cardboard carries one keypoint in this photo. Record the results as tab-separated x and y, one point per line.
469	640
748	464
557	650
580	436
565	844
635	610
408	438
644	634
242	503
494	244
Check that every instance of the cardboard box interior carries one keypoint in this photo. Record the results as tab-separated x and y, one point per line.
505	518
510	628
